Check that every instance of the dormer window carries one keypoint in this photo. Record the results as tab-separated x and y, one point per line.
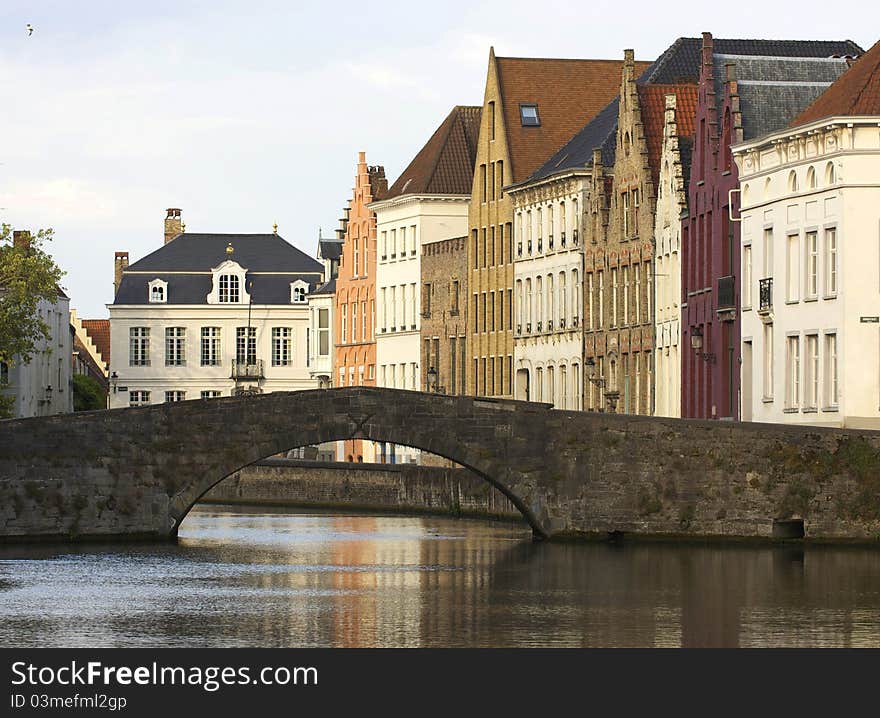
299	292
158	291
228	285
528	115
229	289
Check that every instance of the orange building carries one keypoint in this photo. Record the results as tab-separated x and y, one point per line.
355	356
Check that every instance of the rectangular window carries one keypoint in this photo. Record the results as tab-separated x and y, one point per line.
625	295
590	301
281	339
600	317
246	345
768	253
403	307
831	386
482	183
139	346
792	269
412	304
811	372
138	398
811	290
384	244
491	312
483	323
175	346
354	321
747	276
792	372
500	164
211	346
831	261
475	248
528	115
403	241
343	313
452	366
613	297
475	314
364	336
228	289
174	396
768	362
491	120
415	244
462	351
509	309
637	272
492	181
210	394
649	291
324	332
426	299
455	293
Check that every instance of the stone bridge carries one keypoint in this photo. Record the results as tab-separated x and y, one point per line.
135	473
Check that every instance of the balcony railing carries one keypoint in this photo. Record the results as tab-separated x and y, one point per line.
247	370
765	295
726	295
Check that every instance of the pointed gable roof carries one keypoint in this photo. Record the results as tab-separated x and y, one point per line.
678	65
855	92
568	94
445	165
652	102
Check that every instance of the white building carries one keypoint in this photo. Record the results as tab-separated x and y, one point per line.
210	315
321	305
43	385
427	203
675	163
811	295
548	286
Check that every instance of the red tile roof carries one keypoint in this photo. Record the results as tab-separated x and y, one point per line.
652	99
855	92
99	332
445	165
568	93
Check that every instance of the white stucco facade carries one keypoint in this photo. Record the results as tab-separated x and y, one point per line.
671	201
548	291
403	225
811	274
43	385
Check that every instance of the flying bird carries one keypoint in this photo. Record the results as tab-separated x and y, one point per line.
30	29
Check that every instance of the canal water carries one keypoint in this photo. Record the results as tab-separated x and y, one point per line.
263	577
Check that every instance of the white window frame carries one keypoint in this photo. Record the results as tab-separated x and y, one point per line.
282	346
160	287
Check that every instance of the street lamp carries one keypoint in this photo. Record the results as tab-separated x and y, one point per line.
697	345
114	380
610	396
432	379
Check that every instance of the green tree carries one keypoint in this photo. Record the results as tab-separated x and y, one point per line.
87	394
27	275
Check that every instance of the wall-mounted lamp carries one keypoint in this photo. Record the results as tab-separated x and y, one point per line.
114	380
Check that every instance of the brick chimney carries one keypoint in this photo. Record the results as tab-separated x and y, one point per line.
173	224
21	239
120	262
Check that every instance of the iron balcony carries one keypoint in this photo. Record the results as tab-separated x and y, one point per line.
247	370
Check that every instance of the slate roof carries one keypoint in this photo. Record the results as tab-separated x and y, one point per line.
652	100
445	165
330	248
326	288
99	332
678	65
856	92
772	90
568	94
681	61
192	252
186	263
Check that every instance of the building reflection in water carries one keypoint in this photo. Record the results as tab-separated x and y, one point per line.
268	577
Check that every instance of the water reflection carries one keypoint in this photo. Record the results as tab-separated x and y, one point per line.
272	578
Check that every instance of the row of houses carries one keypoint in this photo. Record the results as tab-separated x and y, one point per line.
695	236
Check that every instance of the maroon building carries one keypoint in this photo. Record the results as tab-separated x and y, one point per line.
747	89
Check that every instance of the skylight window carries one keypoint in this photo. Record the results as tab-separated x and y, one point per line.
529	115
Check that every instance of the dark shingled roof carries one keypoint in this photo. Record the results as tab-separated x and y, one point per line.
772	90
200	252
330	248
681	61
678	64
186	262
326	288
856	92
445	165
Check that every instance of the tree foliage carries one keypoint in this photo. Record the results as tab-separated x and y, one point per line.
27	276
87	394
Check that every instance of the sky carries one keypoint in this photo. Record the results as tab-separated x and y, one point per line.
244	114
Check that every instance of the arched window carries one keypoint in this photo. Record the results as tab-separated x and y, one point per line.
229	289
626	144
157	293
830	177
792	181
539	308
811	178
